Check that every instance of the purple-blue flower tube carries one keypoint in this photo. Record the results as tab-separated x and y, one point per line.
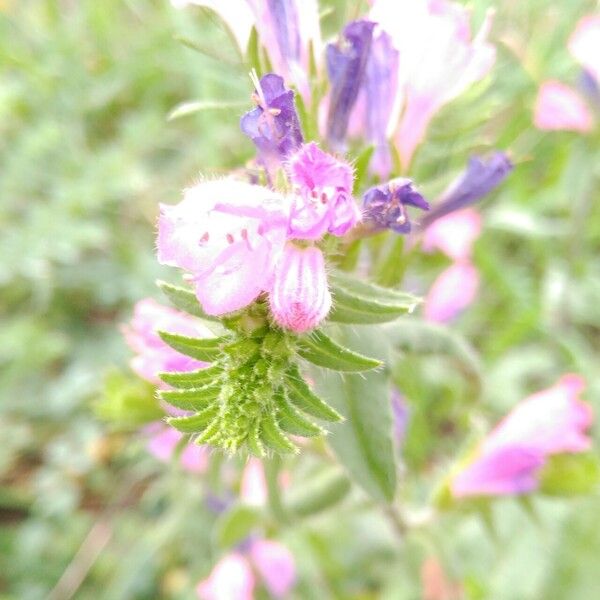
384	206
273	125
346	64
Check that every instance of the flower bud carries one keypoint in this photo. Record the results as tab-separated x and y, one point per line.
300	298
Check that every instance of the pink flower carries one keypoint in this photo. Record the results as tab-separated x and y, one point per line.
300	298
152	354
228	235
508	461
323	194
276	566
454	234
438	60
163	442
452	292
231	579
559	107
584	44
253	488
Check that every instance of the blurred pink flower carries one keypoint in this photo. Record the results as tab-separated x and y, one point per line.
323	200
508	461
228	235
152	354
253	488
275	564
559	107
584	44
454	234
163	441
231	579
438	60
451	292
300	297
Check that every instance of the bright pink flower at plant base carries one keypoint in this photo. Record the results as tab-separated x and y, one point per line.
454	234
300	298
584	44
552	421
153	356
276	566
438	60
559	107
228	235
451	292
322	200
231	579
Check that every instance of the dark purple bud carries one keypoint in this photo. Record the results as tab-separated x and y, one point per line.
384	206
273	125
346	63
481	176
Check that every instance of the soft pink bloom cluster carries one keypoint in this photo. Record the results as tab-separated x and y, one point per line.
509	460
456	287
153	356
236	239
438	59
559	106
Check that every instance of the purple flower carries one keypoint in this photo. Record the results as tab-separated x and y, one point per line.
400	416
323	199
346	64
481	176
273	125
384	206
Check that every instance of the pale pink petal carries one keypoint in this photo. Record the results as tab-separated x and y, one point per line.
552	421
454	234
231	579
253	489
235	13
300	297
559	107
163	441
510	470
195	458
452	292
276	565
584	44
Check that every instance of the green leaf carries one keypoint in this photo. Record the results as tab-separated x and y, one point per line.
570	474
195	423
253	53
363	444
360	302
192	379
272	436
360	168
322	351
292	421
189	108
392	266
192	398
306	400
421	337
184	299
236	524
319	493
207	349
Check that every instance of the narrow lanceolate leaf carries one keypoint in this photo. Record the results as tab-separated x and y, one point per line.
322	351
292	421
363	444
306	400
191	399
192	379
323	491
361	302
194	423
272	436
184	300
236	524
199	348
254	442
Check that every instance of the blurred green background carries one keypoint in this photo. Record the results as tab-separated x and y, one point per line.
86	155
